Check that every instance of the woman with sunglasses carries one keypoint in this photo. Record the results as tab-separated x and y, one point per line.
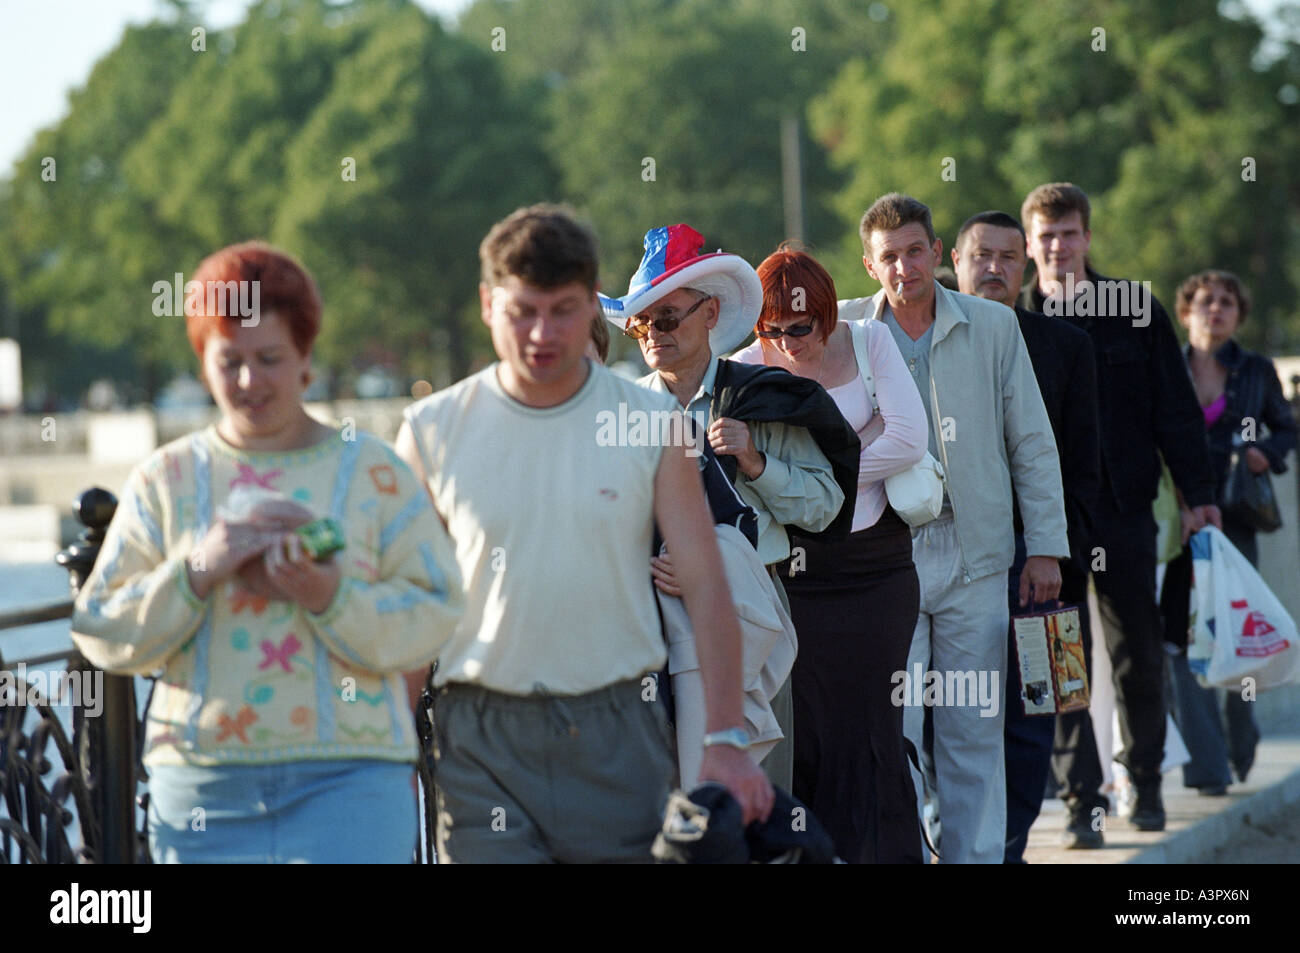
854	602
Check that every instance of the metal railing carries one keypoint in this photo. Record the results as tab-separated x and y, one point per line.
98	766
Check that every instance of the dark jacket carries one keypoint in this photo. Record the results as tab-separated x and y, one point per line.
1145	401
1252	390
1067	378
725	504
753	392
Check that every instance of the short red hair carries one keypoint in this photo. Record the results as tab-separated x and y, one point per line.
283	286
791	277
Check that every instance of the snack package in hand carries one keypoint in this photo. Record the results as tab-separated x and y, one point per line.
321	538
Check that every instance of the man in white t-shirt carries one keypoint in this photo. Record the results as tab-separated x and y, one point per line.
550	743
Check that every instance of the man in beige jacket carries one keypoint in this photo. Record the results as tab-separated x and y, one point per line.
990	430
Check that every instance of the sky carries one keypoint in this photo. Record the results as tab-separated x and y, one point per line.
47	48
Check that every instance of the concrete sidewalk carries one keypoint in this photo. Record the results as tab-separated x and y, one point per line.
1198	827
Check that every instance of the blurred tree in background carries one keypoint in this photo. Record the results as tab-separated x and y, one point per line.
362	137
167	153
1150	108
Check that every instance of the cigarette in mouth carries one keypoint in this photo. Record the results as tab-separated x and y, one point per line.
900	289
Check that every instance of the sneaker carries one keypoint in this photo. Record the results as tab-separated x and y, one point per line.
1213	790
1148	809
1079	832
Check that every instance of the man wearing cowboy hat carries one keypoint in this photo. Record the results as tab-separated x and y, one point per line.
685	309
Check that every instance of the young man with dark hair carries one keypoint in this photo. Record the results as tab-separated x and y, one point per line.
1145	404
550	744
989	429
989	256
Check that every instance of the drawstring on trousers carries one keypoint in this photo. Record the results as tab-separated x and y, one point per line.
559	708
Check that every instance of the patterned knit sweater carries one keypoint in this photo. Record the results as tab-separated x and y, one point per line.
243	679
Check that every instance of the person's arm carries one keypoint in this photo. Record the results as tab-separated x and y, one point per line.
797	485
906	436
684	522
403	619
1277	416
137	607
1031	452
1177	420
1081	450
1035	470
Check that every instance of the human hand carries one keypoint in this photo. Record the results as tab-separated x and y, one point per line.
293	576
223	550
1041	579
730	437
1209	515
737	772
665	578
874	428
278	516
1255	460
1191	523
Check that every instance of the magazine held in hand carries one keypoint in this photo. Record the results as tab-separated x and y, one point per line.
1053	667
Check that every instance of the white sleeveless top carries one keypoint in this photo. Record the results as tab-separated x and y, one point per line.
553	528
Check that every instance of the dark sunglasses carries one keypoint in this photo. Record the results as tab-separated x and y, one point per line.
639	329
796	331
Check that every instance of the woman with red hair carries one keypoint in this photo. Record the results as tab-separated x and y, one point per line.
854	603
281	575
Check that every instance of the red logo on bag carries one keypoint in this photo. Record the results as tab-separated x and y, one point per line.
1255	626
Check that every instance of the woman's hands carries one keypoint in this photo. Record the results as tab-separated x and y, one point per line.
294	576
224	549
284	571
1256	460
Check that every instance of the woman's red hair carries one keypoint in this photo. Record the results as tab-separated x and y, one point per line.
284	287
789	277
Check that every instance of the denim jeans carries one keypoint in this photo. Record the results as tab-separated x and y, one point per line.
342	812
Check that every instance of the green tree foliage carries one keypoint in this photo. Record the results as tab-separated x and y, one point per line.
680	121
1154	126
77	232
171	152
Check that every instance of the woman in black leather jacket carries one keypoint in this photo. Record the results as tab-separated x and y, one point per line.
1238	389
1241	396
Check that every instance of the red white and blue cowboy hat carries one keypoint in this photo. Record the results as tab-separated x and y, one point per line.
673	260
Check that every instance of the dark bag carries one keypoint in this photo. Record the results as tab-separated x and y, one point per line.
1249	497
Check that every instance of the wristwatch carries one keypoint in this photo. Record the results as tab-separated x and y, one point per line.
733	737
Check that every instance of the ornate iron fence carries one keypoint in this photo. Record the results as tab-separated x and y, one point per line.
44	773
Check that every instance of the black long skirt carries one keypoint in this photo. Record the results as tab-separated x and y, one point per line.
854	606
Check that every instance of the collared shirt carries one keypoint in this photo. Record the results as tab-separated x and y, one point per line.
796	486
916	353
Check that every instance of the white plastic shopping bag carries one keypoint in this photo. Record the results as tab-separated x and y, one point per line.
1239	629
